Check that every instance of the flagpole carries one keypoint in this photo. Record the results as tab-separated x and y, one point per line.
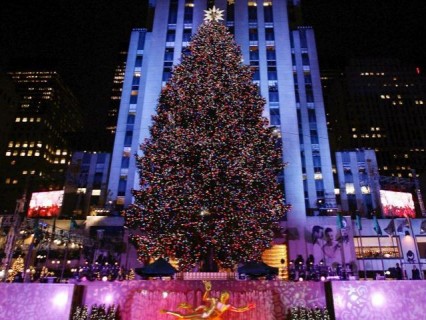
362	254
415	245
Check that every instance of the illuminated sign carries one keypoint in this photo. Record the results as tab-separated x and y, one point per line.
397	204
45	204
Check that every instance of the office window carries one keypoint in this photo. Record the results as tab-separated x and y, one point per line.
128	138
187	18
269	34
167	73
254	54
186	37
230	11
253	34
141	41
173	12
272	73
275	116
138	62
171	36
168	54
271	54
252	12
267	11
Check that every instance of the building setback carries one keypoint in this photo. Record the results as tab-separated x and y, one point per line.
283	56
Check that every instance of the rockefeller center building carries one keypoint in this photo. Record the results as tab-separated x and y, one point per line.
282	54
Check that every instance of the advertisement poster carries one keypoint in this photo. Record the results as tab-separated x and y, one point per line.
45	204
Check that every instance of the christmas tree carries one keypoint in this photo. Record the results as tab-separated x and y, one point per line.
15	274
208	171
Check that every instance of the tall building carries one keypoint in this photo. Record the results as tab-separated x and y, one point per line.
117	87
86	185
379	104
284	60
37	151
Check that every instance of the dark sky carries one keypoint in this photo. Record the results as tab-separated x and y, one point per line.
83	37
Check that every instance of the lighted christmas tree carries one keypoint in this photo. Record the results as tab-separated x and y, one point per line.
208	171
15	273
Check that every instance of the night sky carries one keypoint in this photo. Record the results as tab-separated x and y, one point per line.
82	38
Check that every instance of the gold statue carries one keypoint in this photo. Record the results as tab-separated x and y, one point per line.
213	309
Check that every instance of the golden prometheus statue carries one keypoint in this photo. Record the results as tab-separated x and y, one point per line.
213	308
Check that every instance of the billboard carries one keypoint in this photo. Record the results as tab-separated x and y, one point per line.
45	204
397	204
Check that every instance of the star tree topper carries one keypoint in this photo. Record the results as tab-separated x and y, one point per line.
213	14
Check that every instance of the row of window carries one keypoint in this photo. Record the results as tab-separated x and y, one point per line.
25	119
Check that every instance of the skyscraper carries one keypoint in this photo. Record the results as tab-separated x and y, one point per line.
37	150
380	104
284	60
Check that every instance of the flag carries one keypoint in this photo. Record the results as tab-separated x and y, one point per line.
339	221
423	227
358	221
377	226
73	224
390	229
402	225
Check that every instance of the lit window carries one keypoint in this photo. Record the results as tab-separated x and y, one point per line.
25	172
365	190
58	152
18	120
15	181
15	153
406	156
38	119
24	119
336	191
18	144
37	153
8	154
30	153
372	129
317	175
353	129
25	144
31	119
96	192
252	4
22	154
39	145
382	96
10	145
7	180
32	144
350	189
63	161
355	136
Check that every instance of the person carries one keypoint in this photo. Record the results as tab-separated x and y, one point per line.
398	272
214	308
331	246
415	273
317	237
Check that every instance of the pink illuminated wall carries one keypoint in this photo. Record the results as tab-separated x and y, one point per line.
372	300
144	299
21	301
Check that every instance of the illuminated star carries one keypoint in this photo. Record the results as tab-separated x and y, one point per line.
213	14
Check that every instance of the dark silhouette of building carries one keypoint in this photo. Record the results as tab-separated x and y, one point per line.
380	104
37	151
